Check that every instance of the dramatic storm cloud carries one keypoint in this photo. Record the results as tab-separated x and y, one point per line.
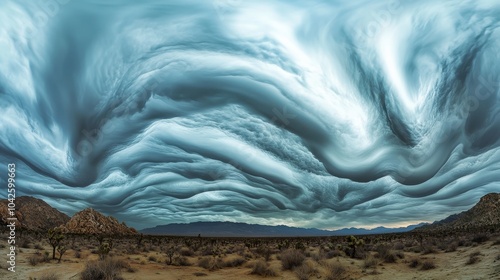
307	113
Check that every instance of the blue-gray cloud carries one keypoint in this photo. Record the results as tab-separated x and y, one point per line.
315	113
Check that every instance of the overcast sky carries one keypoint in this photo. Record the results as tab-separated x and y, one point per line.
324	114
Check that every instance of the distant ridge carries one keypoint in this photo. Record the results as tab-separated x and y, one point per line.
90	221
32	214
486	213
230	229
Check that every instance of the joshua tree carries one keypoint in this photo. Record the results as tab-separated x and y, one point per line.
353	243
54	237
61	249
104	249
170	254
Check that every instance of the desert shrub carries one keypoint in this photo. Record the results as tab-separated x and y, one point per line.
152	259
207	251
49	276
416	249
428	249
464	243
306	270
473	258
78	254
370	261
452	247
480	238
400	254
414	263
399	246
428	264
33	260
336	272
25	243
38	246
107	269
333	253
318	257
211	263
384	252
234	262
187	252
181	261
291	258
45	257
265	252
131	269
261	268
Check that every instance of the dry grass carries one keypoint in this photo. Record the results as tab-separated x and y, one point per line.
473	258
336	271
414	263
34	260
109	269
370	262
428	264
234	262
306	270
49	276
261	268
291	258
211	263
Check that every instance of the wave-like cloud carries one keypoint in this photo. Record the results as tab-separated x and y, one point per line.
306	113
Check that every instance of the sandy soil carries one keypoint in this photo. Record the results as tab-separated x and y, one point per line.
448	266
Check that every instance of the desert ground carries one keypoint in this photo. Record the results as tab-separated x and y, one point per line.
393	256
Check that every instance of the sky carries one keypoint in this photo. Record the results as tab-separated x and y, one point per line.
325	114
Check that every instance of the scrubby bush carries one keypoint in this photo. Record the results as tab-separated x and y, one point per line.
452	247
211	263
369	262
480	238
473	258
187	252
306	270
333	253
414	263
261	268
34	260
181	261
107	269
336	271
234	262
428	264
49	276
385	253
291	258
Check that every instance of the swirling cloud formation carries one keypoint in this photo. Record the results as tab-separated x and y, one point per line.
306	113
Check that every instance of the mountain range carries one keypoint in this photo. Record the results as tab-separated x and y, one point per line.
230	229
36	215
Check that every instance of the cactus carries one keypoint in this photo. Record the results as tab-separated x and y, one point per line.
353	243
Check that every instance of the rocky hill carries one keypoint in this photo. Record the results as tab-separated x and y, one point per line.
89	221
486	213
33	214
